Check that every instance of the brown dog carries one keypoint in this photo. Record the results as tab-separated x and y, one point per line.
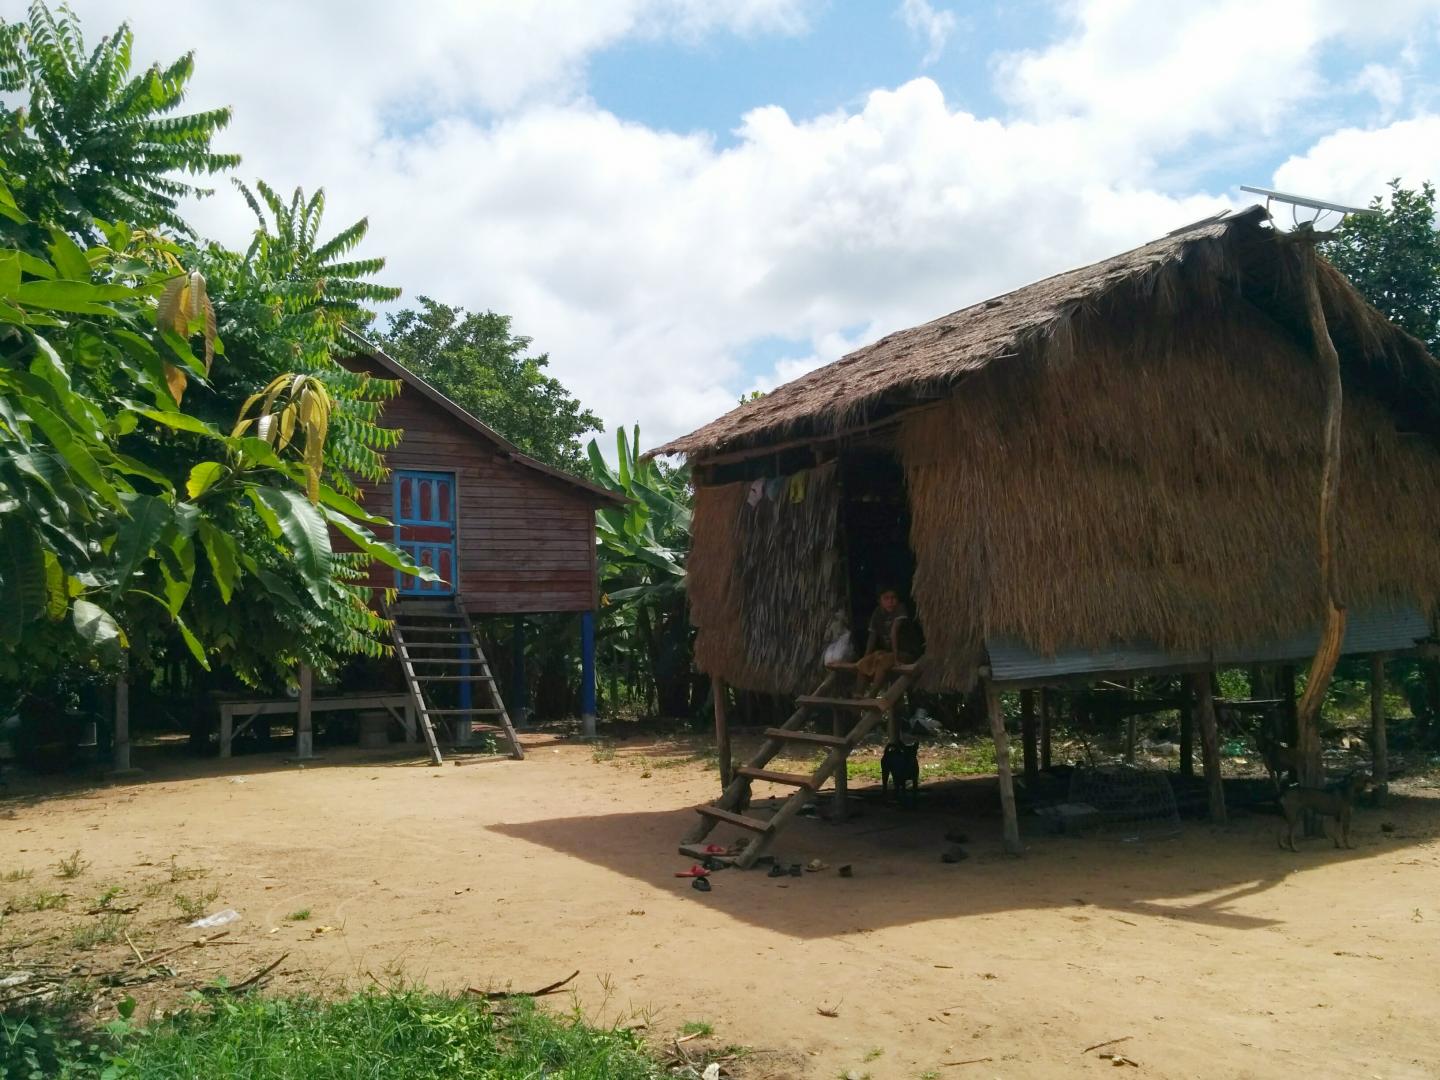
1281	760
1338	804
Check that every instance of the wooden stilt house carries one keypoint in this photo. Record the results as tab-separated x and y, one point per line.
506	535
1116	470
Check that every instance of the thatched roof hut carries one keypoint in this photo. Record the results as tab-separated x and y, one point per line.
1115	468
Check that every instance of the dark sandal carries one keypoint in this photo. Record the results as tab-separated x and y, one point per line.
701	884
778	871
795	869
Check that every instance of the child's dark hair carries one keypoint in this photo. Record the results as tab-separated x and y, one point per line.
885	587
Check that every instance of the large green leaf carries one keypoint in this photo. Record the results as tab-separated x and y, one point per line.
203	477
9	273
77	297
138	534
179	421
378	550
304	529
23	592
67	256
98	630
220	550
75	454
192	643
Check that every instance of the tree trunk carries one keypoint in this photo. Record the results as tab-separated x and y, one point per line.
1002	768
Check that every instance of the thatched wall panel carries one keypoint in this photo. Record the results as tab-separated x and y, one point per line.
765	582
1156	483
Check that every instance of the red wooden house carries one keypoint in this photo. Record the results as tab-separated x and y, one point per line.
505	533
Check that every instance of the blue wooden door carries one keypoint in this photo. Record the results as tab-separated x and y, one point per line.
425	529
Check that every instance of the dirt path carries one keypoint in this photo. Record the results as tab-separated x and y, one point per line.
1215	954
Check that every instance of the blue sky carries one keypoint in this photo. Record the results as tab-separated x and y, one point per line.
683	200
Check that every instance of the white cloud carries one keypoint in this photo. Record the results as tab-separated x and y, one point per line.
647	262
935	27
1384	83
1353	165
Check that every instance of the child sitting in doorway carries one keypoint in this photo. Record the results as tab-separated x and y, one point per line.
890	641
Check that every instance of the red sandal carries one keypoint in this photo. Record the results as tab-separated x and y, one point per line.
696	871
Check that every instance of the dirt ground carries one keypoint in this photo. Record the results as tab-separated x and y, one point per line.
1212	954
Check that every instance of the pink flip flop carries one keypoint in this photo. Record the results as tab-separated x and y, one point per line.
695	871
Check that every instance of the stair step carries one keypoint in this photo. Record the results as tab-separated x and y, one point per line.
793	779
806	737
438	660
436	645
454	678
842	702
738	820
462	712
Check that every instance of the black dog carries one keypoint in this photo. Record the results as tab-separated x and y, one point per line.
901	762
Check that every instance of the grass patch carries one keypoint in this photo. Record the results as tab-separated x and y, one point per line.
17	875
40	901
72	866
603	752
105	932
299	916
108	897
193	906
698	1028
180	873
976	759
399	1033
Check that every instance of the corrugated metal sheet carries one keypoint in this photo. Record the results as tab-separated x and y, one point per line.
1365	632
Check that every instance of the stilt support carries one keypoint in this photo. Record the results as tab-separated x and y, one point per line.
587	673
1379	752
1204	702
1002	768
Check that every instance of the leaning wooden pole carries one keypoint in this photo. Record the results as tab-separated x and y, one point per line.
1322	667
722	731
1002	768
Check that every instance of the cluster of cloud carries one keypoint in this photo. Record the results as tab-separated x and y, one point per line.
647	262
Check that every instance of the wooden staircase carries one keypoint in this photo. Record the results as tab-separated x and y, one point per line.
448	676
867	713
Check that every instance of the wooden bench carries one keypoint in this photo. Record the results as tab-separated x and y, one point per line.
398	706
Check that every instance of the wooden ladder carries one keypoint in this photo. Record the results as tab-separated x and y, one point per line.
439	652
729	808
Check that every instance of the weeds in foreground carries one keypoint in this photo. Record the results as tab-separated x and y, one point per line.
414	1034
697	1028
39	901
105	932
108	897
603	752
18	874
72	866
180	873
299	916
192	906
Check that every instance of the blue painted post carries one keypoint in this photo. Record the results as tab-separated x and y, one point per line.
519	692
587	673
465	725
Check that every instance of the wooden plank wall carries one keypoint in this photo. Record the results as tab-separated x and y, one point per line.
526	541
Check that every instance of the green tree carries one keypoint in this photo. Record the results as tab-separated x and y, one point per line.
93	140
476	360
1393	258
645	631
160	492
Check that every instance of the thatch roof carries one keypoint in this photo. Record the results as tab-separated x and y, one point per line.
1235	252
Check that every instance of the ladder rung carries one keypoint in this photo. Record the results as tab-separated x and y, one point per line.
806	737
793	779
436	644
740	820
438	660
454	678
842	703
462	712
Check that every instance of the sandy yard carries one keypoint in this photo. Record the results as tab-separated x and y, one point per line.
1211	955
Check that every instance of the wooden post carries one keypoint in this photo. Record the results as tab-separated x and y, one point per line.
519	692
722	731
121	749
1132	723
304	739
1027	734
1287	709
1048	703
1002	768
1210	744
1379	753
1322	667
464	724
587	674
1187	732
841	810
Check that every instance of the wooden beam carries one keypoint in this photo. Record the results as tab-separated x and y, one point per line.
304	736
722	731
1210	745
841	810
1379	752
1187	732
121	748
1002	768
1028	733
1049	702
